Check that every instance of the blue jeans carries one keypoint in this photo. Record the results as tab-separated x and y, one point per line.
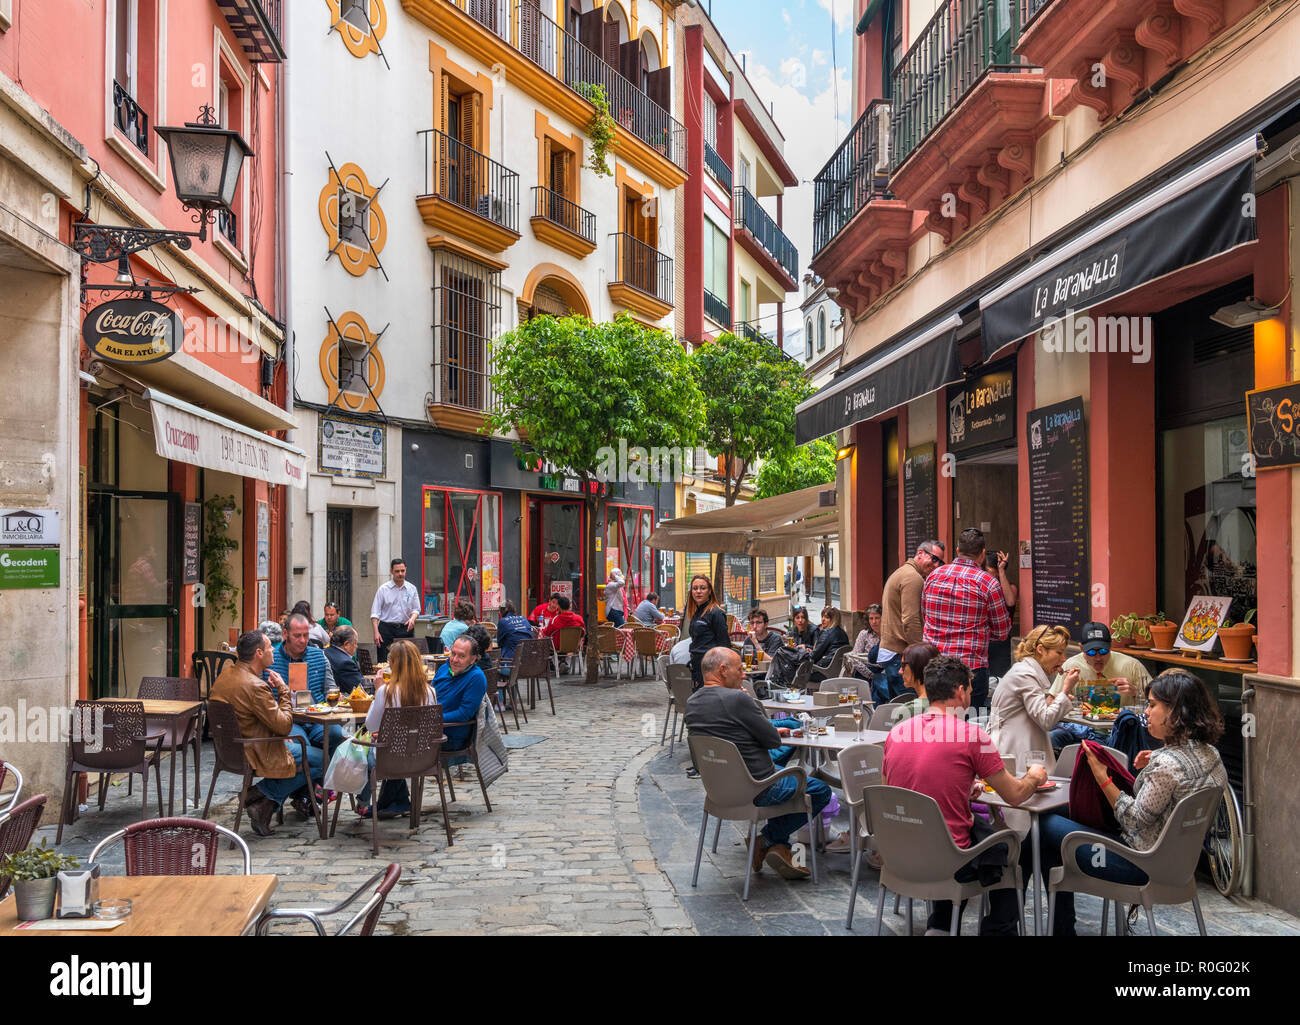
1052	831
979	687
781	755
884	686
615	616
778	830
278	790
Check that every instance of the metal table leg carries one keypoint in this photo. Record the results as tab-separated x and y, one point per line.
1038	900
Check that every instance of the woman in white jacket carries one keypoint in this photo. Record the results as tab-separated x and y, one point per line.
1024	709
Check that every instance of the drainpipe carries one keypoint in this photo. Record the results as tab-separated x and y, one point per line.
283	113
1247	804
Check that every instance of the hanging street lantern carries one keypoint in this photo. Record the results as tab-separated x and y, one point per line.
206	160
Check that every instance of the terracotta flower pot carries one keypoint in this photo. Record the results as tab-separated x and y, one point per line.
1140	639
1163	634
1237	641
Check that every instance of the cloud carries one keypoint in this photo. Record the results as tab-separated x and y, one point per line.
785	16
841	10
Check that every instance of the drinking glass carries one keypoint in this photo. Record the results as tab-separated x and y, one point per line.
332	697
844	694
857	719
1035	758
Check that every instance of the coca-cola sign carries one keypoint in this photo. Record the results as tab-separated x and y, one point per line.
132	331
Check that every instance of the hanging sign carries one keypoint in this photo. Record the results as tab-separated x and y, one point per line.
1274	418
133	331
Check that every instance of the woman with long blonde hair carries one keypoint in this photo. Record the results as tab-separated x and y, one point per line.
406	685
1024	709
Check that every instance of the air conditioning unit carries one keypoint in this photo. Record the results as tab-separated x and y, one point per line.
492	208
881	129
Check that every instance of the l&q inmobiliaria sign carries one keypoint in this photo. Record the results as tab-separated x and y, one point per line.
133	331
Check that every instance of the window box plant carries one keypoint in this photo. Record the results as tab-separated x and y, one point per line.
1237	640
34	874
1163	631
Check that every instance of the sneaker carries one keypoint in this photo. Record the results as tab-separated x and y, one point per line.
779	858
758	853
692	772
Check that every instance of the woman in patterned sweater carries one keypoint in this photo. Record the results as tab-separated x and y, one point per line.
1180	712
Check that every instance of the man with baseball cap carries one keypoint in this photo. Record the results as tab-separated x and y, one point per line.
1098	662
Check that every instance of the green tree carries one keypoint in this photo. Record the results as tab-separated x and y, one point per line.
573	388
804	467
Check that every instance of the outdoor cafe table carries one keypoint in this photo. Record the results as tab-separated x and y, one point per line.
218	905
1042	802
340	716
174	714
627	643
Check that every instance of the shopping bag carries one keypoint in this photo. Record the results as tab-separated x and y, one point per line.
349	769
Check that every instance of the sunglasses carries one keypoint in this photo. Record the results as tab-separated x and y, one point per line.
1096	652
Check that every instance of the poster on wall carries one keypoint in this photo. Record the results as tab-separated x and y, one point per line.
263	600
493	588
191	533
350	448
1201	625
1273	415
920	497
1058	513
564	587
263	541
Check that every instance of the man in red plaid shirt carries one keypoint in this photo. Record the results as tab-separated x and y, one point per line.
963	605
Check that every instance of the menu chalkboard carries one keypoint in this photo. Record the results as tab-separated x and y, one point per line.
191	532
1274	418
920	497
1058	514
737	584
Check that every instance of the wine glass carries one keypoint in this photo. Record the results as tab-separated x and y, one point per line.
857	718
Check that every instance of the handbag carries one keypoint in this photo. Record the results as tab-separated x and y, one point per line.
349	769
1088	805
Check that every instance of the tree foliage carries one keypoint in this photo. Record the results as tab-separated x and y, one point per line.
750	391
573	388
803	467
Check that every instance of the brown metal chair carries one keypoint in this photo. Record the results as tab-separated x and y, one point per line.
168	847
365	659
9	771
368	916
187	736
410	741
207	666
229	755
123	746
469	751
16	829
533	662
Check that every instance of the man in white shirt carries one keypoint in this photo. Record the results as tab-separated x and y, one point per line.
393	612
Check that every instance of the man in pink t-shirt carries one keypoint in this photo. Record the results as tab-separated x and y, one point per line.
941	755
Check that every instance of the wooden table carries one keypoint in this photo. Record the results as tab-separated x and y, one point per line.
1041	802
170	906
174	714
338	717
1190	661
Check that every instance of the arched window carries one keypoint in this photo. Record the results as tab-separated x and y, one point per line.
808	339
821	331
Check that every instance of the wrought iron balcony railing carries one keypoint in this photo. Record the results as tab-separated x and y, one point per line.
470	179
854	175
1029	10
962	42
462	374
523	26
717	166
641	266
748	214
717	309
130	118
564	212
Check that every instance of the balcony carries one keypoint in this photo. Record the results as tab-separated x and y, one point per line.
717	309
860	231
763	240
554	67
259	27
562	223
130	118
966	112
1137	44
717	167
462	395
468	194
641	278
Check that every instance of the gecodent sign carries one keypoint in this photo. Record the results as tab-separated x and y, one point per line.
184	433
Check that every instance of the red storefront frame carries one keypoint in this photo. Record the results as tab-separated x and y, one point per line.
463	556
639	573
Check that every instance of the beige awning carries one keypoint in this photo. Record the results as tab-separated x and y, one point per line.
780	522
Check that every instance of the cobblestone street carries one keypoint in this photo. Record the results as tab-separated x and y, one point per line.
593	831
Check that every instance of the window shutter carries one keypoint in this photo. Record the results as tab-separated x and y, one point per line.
440	146
611	46
530	30
548	160
591	28
659	87
629	61
469	128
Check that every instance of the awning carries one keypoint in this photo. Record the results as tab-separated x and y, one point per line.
872	10
922	364
1203	213
735	530
191	435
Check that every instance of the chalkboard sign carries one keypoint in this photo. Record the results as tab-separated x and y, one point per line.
191	533
1274	417
1058	514
982	410
920	497
737	584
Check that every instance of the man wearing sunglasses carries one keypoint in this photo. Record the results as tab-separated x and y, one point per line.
1098	662
901	619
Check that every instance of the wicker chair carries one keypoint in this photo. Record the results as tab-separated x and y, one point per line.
409	744
16	829
647	649
568	641
533	662
368	916
167	847
124	746
187	736
607	648
10	771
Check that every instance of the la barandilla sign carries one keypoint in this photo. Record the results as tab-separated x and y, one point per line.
133	331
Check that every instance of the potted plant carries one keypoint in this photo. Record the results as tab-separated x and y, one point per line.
1237	640
1121	630
34	873
1163	631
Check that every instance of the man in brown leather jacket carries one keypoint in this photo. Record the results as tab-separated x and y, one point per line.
265	710
901	619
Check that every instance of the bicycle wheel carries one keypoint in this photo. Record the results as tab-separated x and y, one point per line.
1223	845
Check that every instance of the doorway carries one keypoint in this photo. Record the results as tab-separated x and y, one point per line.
133	621
338	560
556	529
985	494
627	535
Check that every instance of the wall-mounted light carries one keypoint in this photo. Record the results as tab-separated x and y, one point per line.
845	452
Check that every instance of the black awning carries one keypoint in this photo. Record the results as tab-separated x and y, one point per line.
1206	212
922	364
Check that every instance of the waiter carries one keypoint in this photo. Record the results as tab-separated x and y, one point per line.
394	609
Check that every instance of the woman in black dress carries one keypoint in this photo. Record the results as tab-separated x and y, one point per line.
706	624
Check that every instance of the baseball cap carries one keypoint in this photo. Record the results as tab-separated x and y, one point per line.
1095	635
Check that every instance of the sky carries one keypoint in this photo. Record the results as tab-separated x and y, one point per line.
799	58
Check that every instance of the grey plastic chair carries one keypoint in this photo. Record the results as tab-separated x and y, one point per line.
729	792
861	766
835	684
836	665
801	676
1170	864
1069	756
921	857
883	717
680	685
